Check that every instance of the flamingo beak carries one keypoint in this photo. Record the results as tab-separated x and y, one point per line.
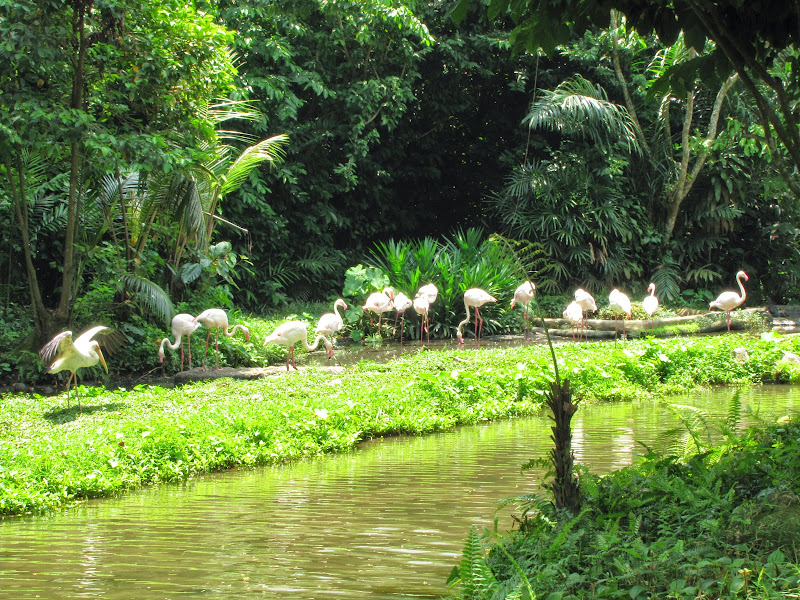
246	336
102	360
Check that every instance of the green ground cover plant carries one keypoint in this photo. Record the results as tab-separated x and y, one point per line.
51	456
722	523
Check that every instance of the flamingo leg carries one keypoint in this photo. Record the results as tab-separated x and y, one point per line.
478	327
205	352
402	326
189	346
216	347
428	328
291	351
729	321
181	354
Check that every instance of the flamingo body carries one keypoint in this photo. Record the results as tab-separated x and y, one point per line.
379	303
620	304
182	325
524	295
62	353
474	298
401	304
586	301
216	318
292	332
574	314
430	291
422	307
728	301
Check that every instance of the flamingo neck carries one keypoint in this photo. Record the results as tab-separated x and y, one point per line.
313	347
741	286
170	345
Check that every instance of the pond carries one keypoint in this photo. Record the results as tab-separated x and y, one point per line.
387	521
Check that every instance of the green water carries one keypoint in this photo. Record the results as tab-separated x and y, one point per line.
386	521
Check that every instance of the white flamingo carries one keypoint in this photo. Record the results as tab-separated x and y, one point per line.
216	318
422	307
587	304
379	303
474	297
650	303
401	304
620	304
728	301
62	353
331	323
182	325
524	295
574	314
292	332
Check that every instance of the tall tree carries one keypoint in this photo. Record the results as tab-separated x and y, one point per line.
98	87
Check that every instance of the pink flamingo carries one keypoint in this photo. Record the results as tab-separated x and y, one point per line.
421	307
216	318
524	294
292	332
728	301
574	314
401	304
620	304
379	302
650	303
474	297
331	323
587	304
182	325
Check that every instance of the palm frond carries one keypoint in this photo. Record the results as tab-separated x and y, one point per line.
576	107
270	149
150	295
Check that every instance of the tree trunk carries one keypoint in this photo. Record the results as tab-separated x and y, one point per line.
565	488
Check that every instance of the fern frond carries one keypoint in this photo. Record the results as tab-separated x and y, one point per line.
477	579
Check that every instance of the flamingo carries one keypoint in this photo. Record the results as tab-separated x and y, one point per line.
476	298
379	302
215	318
650	303
421	307
429	291
182	325
401	304
620	304
574	314
330	323
292	332
524	294
62	353
727	301
587	304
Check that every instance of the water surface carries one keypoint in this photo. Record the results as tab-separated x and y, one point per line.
387	521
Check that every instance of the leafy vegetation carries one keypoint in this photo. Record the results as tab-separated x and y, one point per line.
719	521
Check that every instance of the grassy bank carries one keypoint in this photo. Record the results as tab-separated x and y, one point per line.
51	456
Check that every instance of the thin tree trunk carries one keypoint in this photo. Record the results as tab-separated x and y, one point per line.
687	179
41	317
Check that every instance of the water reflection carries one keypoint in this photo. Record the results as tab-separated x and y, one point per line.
386	521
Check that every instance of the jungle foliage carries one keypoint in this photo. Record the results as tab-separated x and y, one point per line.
248	154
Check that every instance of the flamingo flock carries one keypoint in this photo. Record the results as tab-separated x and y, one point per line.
63	353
